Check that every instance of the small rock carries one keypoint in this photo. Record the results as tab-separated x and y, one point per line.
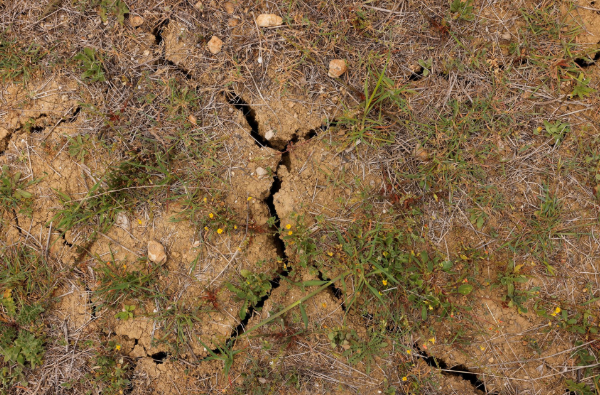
233	22
291	104
506	36
193	120
268	20
196	244
156	252
260	172
269	135
215	44
228	7
421	153
136	21
262	380
122	221
337	67
199	6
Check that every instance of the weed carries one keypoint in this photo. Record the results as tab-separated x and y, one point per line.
581	88
78	146
516	296
365	351
369	124
462	10
116	7
251	289
557	130
13	195
17	62
91	62
117	283
226	355
126	313
111	372
20	349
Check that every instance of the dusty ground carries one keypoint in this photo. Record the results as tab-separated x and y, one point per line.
424	224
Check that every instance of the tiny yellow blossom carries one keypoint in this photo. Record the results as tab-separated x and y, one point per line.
290	233
330	253
430	307
219	231
211	215
324	305
139	221
384	282
234	226
404	378
288	226
408	352
380	293
249	198
118	347
204	200
432	340
539	129
384	253
481	348
206	228
124	266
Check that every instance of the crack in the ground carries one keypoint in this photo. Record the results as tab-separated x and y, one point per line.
454	370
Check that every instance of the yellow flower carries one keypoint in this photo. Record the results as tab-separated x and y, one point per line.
124	266
384	282
288	226
380	293
219	231
404	378
408	352
234	226
204	200
290	233
206	228
556	311
430	308
384	253
539	129
118	347
481	348
211	215
432	340
330	253
139	221
249	198
324	305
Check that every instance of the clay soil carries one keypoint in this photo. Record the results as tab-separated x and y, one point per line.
425	223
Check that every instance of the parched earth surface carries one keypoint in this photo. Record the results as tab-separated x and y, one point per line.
424	224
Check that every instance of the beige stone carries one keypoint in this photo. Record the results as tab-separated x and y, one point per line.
228	7
136	21
156	252
337	67
215	44
268	20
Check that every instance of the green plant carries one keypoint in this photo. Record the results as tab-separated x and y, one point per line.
18	62
517	297
581	88
78	146
426	65
116	7
126	314
557	130
116	283
13	194
226	355
368	124
111	371
462	10
251	289
365	351
91	62
20	350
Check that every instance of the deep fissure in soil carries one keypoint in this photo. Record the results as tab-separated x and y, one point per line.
455	370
